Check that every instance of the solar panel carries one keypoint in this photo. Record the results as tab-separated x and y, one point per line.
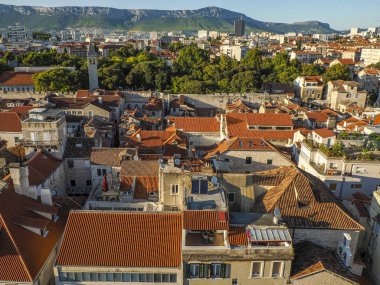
195	186
204	187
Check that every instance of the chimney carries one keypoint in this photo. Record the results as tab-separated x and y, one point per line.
138	136
100	100
20	176
46	197
181	99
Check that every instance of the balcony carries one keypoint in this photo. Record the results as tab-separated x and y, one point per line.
320	168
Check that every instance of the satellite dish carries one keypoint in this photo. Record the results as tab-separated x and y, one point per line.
277	213
214	180
160	161
177	161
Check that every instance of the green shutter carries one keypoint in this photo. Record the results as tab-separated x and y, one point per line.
223	270
187	270
207	270
201	270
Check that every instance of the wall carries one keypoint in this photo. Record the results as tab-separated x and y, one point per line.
80	172
166	180
10	138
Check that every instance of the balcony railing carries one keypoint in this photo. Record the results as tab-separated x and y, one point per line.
321	170
41	143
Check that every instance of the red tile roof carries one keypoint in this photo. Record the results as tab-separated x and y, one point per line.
121	239
21	110
237	126
318	117
205	220
10	78
256	119
10	122
24	253
237	236
303	199
324	133
196	124
41	166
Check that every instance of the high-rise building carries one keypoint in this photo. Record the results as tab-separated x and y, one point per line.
239	26
92	67
17	34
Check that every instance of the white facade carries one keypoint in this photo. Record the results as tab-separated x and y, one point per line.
370	55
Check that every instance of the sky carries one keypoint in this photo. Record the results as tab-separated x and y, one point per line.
340	14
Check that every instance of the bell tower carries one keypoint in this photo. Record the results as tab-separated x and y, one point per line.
92	67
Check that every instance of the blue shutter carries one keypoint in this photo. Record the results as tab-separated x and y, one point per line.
195	186
204	186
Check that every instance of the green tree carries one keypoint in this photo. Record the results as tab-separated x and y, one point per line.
4	66
337	72
311	69
56	80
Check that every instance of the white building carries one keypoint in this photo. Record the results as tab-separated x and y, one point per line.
236	52
370	55
203	34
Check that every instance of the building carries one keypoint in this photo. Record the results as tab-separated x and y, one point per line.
203	34
77	165
30	232
373	250
309	88
305	56
314	264
370	80
370	56
344	94
10	128
44	130
237	52
344	173
239	27
17	82
17	34
149	250
92	67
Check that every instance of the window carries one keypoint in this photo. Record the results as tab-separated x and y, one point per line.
269	161
17	140
215	270
356	186
199	185
87	164
174	189
104	172
248	160
194	271
277	267
231	197
257	269
235	281
73	183
99	172
70	163
332	186
88	182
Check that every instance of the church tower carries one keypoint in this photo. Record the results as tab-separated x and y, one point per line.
92	67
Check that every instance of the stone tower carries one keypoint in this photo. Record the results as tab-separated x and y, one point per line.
92	67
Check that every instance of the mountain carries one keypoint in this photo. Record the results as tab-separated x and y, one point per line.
210	18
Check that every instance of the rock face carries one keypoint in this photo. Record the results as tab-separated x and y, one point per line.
213	18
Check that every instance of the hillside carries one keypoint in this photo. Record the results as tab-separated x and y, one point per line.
211	18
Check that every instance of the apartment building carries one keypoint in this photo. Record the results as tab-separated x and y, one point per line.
305	56
10	128
370	80
342	174
234	51
344	94
44	130
373	250
309	88
370	56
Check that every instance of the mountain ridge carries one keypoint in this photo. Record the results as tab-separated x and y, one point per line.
212	18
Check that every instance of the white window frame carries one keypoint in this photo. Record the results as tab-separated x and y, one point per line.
281	275
176	187
261	269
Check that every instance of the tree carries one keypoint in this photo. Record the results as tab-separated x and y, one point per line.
337	72
56	80
244	82
4	66
311	69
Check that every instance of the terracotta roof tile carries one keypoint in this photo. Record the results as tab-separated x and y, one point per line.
10	122
41	166
23	253
22	110
111	156
311	258
324	133
205	220
10	78
139	168
237	236
312	207
121	239
196	124
318	117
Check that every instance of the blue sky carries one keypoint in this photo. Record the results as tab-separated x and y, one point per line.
340	14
